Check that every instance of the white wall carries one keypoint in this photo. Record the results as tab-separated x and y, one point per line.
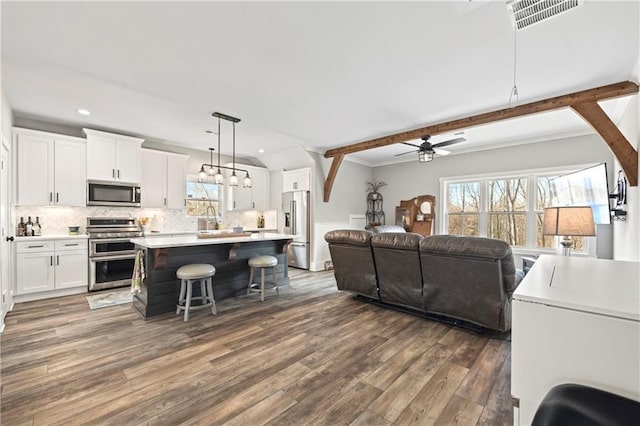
626	234
348	197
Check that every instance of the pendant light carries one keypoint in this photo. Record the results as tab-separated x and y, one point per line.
218	177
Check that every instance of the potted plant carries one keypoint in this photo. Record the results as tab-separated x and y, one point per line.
372	188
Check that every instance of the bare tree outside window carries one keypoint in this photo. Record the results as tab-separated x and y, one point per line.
463	208
508	211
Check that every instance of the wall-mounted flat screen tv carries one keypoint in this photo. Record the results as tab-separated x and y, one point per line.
586	187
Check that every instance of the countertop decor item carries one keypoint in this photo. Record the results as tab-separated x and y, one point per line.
74	230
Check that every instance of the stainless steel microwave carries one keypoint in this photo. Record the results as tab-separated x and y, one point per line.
101	193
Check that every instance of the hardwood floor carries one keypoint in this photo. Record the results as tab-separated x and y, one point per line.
313	355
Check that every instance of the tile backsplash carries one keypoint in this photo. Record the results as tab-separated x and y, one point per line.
55	220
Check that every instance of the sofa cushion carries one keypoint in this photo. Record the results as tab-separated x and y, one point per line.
399	240
349	236
466	246
353	264
397	259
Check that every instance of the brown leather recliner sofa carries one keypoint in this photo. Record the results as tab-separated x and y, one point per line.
460	278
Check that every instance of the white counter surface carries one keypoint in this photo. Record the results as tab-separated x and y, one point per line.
193	240
603	286
52	237
169	232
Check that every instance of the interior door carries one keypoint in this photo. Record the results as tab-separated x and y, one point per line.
5	232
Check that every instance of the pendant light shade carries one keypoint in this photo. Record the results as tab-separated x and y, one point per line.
202	175
247	181
219	178
233	179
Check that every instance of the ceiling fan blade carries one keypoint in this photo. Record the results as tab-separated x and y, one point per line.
410	144
404	153
441	151
449	142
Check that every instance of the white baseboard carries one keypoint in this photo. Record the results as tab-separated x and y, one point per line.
18	298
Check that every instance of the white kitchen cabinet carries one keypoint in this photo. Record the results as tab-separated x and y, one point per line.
112	157
256	197
296	180
163	183
51	169
575	320
49	265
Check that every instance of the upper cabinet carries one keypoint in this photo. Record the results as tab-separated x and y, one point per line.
51	169
112	157
296	180
256	197
163	183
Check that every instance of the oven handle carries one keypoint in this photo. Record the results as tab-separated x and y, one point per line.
110	240
114	257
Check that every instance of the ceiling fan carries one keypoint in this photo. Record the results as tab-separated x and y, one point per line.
426	150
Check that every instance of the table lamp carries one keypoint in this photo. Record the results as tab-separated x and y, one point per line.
568	222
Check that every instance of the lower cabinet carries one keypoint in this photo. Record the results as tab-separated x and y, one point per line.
48	265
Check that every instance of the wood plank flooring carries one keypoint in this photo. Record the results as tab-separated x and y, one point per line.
312	355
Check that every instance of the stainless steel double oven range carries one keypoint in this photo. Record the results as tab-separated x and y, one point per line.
111	254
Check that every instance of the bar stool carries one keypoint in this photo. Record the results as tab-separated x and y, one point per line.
262	262
201	272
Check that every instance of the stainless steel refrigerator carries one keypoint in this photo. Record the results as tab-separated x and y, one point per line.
295	206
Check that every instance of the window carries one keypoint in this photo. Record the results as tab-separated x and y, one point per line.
463	208
203	199
508	208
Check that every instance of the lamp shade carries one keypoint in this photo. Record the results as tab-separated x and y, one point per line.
569	221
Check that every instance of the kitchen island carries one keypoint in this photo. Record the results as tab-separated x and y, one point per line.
227	252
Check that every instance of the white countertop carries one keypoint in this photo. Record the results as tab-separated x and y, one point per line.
52	237
193	240
603	286
169	232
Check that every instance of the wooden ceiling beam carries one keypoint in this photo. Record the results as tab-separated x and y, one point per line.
582	102
622	149
591	95
333	171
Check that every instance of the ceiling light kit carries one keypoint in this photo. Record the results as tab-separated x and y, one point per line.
426	151
218	178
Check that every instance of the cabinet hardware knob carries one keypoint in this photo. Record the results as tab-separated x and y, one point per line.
50	260
57	197
10	238
40	246
57	260
113	173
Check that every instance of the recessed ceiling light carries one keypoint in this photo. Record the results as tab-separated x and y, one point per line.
261	151
84	111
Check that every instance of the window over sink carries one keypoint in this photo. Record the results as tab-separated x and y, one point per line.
203	199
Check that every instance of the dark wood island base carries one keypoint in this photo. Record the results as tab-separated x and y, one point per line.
160	291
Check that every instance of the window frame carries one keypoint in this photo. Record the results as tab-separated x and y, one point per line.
220	200
531	175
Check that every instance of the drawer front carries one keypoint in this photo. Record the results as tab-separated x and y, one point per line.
34	246
64	245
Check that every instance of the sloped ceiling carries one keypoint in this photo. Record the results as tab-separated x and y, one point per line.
312	74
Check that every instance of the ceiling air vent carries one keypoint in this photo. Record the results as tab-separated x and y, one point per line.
529	12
